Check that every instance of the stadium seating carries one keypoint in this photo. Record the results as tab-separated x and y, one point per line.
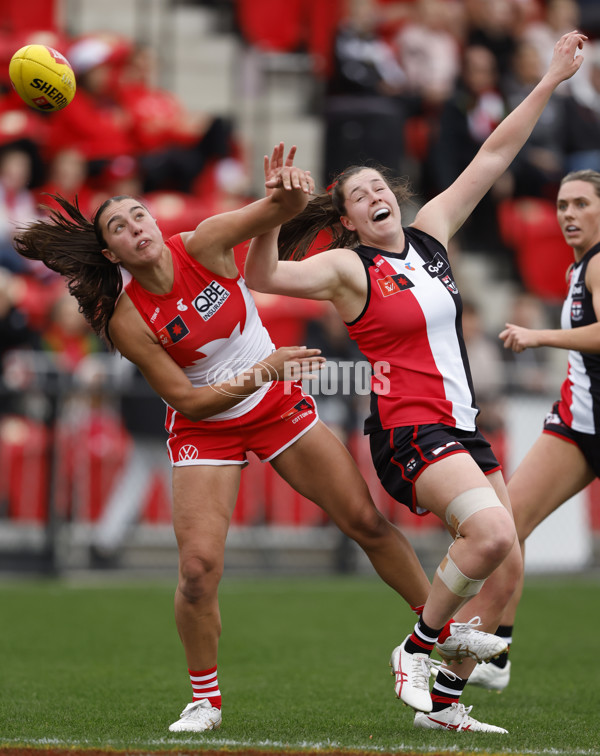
529	226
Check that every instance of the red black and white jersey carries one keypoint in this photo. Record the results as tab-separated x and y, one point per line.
207	323
410	331
579	407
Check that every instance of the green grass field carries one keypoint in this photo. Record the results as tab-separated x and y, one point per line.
303	665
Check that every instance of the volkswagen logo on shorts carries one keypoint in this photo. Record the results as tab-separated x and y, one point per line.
187	453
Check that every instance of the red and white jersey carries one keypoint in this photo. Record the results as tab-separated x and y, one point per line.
208	324
410	331
579	407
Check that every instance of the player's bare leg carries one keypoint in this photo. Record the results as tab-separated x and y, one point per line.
552	472
336	485
204	497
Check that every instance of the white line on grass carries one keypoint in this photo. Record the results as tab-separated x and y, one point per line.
202	741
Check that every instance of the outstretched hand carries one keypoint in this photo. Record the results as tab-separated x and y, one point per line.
564	61
280	173
518	338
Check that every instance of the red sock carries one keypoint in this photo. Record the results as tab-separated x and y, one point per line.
206	685
445	631
418	610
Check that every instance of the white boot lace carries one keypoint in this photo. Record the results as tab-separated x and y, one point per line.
200	710
462	712
460	628
421	670
445	671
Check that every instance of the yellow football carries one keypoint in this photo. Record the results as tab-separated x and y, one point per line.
42	77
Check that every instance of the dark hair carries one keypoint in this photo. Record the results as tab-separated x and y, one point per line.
70	244
586	174
323	213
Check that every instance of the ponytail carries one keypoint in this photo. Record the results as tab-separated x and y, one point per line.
69	244
323	213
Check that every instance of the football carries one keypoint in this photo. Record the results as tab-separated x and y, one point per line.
42	77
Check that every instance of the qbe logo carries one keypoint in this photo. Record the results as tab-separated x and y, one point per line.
210	299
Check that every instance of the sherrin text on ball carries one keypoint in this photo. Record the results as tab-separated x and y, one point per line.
42	77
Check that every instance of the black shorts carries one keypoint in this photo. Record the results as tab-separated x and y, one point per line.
587	443
401	454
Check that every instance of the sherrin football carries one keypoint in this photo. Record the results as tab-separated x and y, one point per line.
42	77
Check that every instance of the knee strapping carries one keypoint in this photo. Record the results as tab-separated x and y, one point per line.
468	503
456	581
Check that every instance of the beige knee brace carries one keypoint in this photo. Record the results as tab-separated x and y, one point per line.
455	580
468	503
460	508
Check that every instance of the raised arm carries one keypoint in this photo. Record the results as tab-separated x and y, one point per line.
137	343
221	232
329	275
444	215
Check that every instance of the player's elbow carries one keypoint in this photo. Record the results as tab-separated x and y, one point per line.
194	405
257	283
194	414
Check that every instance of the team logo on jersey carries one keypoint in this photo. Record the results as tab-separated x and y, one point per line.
187	453
449	284
437	267
298	411
394	284
210	300
576	311
173	332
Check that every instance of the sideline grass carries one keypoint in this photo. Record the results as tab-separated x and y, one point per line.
303	664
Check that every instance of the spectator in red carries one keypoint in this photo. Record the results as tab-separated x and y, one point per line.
119	112
95	123
68	336
174	143
67	176
17	204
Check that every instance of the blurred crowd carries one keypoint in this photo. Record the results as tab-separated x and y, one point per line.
449	71
416	85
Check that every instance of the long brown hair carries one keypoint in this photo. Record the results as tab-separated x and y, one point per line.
70	244
323	213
